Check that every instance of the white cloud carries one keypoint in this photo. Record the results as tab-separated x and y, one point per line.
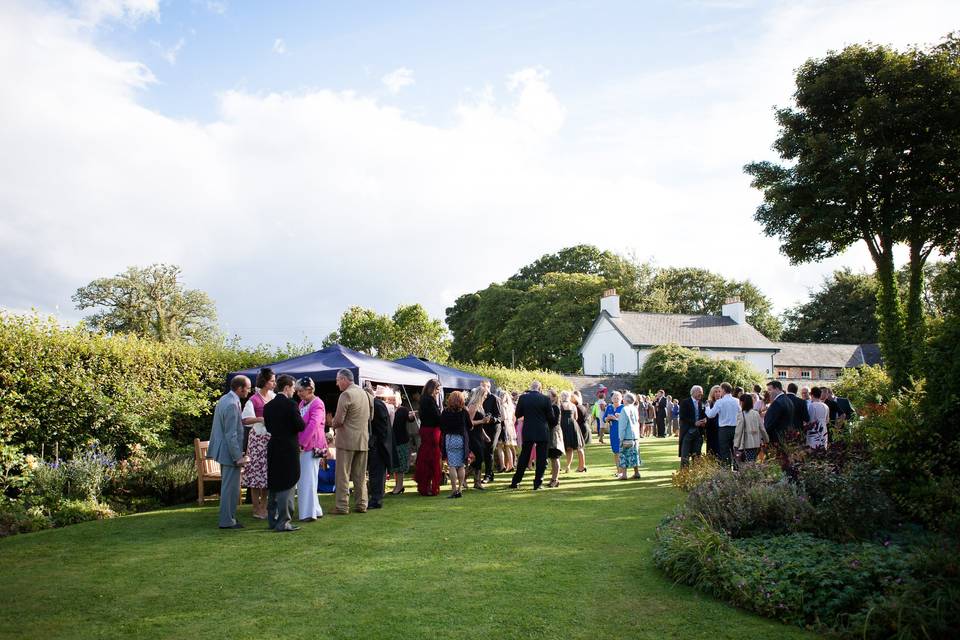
96	11
359	203
170	53
398	79
279	46
216	6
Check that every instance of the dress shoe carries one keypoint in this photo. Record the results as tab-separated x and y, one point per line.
514	487
340	513
374	506
288	529
308	520
234	526
359	510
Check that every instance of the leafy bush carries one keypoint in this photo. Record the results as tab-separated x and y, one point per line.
922	456
921	604
48	485
69	385
75	511
88	471
17	518
796	578
850	503
751	501
865	386
676	369
515	379
167	478
700	470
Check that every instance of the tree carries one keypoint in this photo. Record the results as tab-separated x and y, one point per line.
409	330
701	292
842	310
414	331
676	369
149	302
873	155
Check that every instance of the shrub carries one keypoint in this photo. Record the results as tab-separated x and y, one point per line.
692	552
754	500
700	470
515	379
676	369
75	511
88	471
921	454
169	478
48	485
849	503
922	604
17	518
865	386
69	385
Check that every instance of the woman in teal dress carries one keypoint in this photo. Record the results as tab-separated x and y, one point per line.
610	417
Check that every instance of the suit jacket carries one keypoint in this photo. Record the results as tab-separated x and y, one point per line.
779	418
226	435
844	407
661	405
381	433
282	419
354	410
688	417
537	414
491	407
800	414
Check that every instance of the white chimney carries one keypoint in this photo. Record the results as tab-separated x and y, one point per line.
734	309
610	302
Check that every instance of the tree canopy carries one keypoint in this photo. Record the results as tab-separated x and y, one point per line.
409	330
539	317
149	302
872	151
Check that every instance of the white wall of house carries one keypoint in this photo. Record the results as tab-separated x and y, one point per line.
606	351
762	361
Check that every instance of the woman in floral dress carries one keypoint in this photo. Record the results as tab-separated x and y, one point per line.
254	474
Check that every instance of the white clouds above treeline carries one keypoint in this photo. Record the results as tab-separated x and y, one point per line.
291	206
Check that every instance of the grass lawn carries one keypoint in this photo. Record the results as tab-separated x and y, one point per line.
571	562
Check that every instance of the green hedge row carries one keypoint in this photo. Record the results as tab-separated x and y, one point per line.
516	379
676	369
65	386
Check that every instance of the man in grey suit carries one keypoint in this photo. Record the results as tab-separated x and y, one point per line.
226	447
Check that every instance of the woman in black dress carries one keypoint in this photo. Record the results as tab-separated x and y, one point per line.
572	438
581	418
478	436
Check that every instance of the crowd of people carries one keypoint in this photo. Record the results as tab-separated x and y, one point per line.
276	446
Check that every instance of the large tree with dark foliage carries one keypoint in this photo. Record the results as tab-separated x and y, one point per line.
871	152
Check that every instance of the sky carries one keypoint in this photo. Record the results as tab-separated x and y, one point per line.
297	158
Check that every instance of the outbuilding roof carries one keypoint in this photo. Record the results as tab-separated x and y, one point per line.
840	356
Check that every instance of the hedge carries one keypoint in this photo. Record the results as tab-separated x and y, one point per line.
516	379
64	386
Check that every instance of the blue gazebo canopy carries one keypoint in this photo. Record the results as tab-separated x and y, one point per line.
449	377
323	365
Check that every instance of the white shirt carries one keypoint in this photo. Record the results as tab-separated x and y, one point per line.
727	408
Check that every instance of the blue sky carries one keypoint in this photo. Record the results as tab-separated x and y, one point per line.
296	158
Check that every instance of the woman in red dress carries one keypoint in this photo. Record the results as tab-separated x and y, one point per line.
429	461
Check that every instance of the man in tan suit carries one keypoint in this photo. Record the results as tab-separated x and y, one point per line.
352	431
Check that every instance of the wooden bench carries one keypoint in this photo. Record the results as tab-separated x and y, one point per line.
206	469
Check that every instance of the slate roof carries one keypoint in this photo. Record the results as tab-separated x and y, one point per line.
712	332
841	356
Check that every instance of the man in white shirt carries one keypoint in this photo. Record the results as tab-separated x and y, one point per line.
819	416
727	409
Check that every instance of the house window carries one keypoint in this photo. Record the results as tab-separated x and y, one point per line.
783	375
603	363
613	369
740	358
805	375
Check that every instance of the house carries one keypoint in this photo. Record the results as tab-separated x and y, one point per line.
620	342
808	364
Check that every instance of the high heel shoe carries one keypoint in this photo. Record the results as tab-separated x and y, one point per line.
396	493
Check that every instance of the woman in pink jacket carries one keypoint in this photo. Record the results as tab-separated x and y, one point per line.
313	448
